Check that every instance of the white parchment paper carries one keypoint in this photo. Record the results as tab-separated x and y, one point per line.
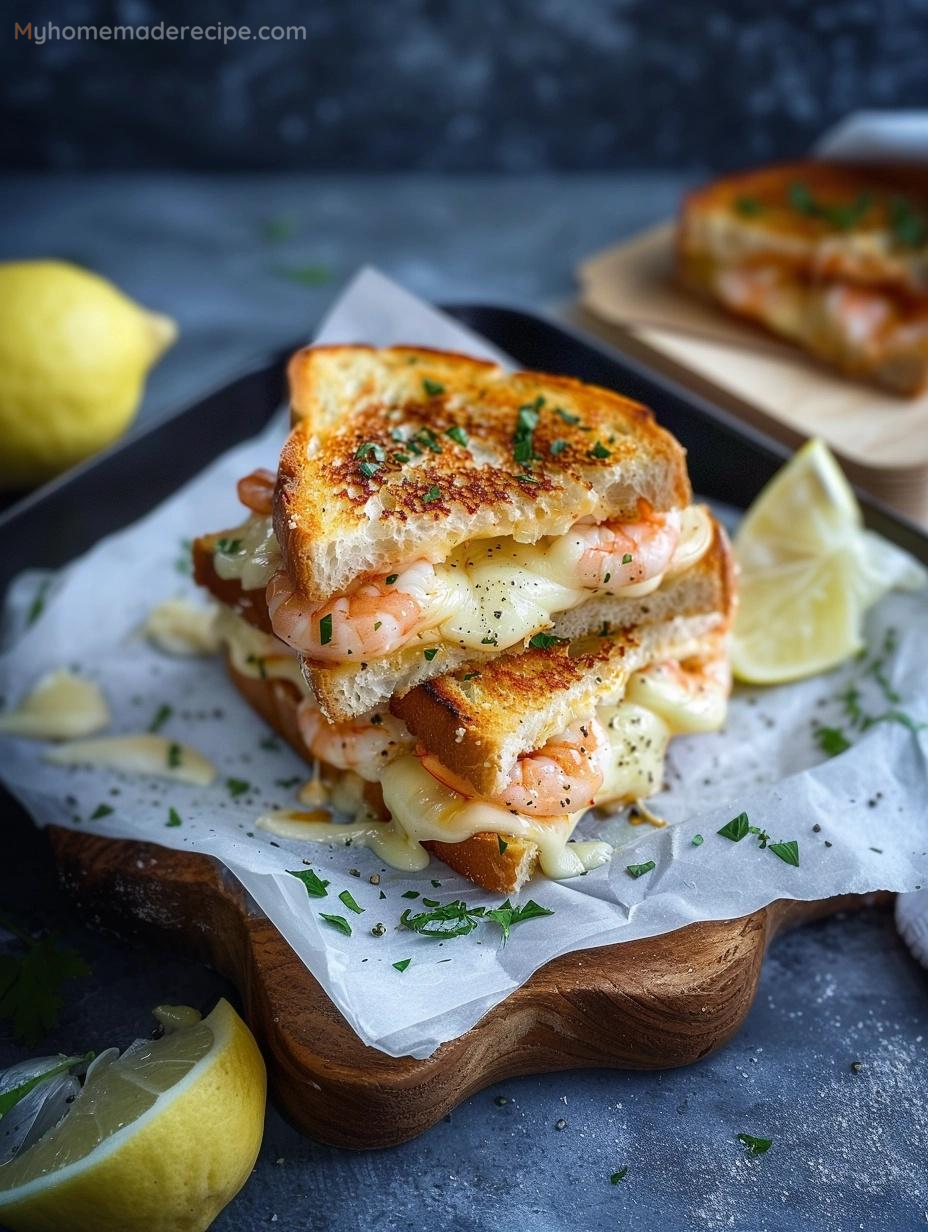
869	802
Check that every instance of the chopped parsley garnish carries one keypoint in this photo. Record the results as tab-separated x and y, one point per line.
349	902
391	579
843	216
736	829
162	714
469	676
433	494
287	783
337	921
755	1146
30	984
370	449
490	640
502	843
37	606
174	819
557	447
697	840
184	562
788	852
315	886
430	653
831	740
456	919
457	434
544	641
432	388
400	457
102	810
599	450
271	743
369	469
639	870
426	437
523	449
618	1176
229	547
325	629
909	226
402	964
566	416
377	625
748	207
237	787
175	756
410	894
627	558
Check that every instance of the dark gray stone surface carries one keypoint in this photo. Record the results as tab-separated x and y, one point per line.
849	1148
528	85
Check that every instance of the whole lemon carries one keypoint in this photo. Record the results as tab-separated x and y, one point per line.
74	353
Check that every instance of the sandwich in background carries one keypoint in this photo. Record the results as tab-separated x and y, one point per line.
831	257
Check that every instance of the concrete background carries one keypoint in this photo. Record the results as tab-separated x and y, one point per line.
452	85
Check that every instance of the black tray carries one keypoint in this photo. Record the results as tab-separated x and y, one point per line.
728	461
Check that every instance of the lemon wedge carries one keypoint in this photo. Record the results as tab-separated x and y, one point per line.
159	1139
809	571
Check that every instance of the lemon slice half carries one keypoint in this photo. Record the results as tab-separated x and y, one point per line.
809	571
160	1138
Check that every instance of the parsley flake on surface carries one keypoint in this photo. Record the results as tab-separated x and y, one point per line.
458	435
391	579
639	870
369	469
831	740
315	886
556	448
237	787
433	494
599	450
174	819
161	716
618	1176
346	898
432	388
523	449
755	1146
566	415
502	844
430	653
697	840
788	852
337	921
507	916
402	964
174	756
30	984
544	641
325	629
102	810
736	829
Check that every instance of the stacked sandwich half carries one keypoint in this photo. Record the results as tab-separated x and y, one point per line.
481	603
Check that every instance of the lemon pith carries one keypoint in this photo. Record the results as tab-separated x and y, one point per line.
166	1137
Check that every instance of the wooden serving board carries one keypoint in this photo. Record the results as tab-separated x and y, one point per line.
653	1004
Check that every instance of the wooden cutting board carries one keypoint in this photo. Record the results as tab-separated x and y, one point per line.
653	1004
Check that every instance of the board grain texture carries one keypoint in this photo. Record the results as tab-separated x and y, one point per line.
652	1004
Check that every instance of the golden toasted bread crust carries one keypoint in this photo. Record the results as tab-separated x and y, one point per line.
478	723
370	476
250	604
478	857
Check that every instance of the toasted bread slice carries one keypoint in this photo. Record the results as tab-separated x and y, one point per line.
478	857
405	453
832	258
478	723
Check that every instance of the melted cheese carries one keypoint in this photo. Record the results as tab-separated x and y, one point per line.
423	809
491	593
181	628
256	557
257	654
143	753
60	707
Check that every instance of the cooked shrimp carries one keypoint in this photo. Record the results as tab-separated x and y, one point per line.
364	745
256	491
619	554
374	619
563	776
